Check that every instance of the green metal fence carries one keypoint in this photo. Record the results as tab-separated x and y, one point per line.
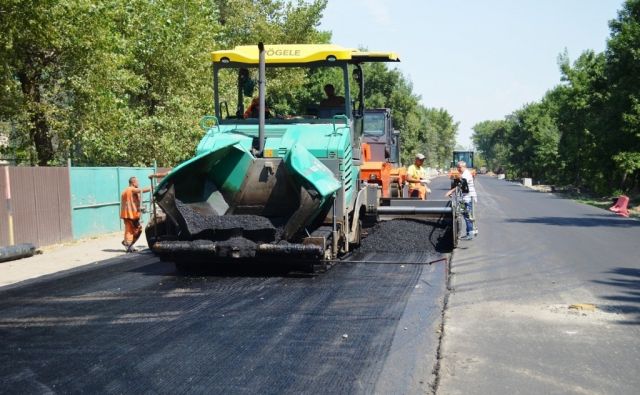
95	197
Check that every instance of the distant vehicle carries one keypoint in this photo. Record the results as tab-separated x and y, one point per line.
381	153
467	157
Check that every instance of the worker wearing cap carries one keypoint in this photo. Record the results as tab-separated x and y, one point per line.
130	213
418	179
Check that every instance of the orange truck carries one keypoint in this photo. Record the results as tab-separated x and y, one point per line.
381	153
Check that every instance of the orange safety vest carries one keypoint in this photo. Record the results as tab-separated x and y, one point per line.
130	204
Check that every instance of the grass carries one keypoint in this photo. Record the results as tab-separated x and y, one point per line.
603	202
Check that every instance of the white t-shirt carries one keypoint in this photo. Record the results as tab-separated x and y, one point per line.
466	174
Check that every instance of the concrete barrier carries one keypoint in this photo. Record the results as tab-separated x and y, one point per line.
500	176
527	182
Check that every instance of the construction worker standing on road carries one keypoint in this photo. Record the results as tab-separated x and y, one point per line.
130	213
469	197
418	179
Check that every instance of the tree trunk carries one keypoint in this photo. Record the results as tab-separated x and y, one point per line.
39	130
41	138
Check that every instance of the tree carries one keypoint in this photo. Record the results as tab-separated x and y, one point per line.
126	81
53	52
489	139
584	131
533	138
622	71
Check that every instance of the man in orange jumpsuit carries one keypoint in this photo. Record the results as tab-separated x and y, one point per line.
130	213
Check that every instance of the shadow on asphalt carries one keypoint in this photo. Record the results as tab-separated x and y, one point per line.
588	221
628	300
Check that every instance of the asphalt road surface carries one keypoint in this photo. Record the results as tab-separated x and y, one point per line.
509	328
132	325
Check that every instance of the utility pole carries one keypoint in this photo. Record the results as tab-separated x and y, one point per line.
7	194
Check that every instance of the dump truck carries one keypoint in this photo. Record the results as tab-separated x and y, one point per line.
282	185
381	153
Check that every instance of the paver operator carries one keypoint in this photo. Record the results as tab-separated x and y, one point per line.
130	213
418	179
332	100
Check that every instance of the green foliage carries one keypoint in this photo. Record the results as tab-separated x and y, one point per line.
585	131
125	82
489	139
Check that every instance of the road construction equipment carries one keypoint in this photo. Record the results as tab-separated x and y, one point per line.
287	188
381	153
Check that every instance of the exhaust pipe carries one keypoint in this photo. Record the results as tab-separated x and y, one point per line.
261	93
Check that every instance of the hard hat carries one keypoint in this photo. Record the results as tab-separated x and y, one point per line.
420	156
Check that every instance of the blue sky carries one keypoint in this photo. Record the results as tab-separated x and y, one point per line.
478	59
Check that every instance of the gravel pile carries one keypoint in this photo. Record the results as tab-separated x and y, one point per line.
405	236
201	223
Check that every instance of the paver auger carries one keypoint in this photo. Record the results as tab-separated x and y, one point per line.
278	186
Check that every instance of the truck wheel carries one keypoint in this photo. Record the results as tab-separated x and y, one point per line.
394	190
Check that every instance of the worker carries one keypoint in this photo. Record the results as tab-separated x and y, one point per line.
418	179
253	111
130	213
331	100
469	197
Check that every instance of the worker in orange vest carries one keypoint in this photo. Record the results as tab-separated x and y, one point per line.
254	109
130	213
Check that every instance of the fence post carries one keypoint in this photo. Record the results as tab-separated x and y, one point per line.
7	194
70	195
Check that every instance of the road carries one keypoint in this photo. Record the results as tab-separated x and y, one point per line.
132	325
508	326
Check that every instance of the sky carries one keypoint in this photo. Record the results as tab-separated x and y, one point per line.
478	59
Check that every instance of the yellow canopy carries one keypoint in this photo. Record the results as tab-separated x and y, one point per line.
299	53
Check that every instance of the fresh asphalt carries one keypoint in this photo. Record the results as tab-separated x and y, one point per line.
509	328
133	325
